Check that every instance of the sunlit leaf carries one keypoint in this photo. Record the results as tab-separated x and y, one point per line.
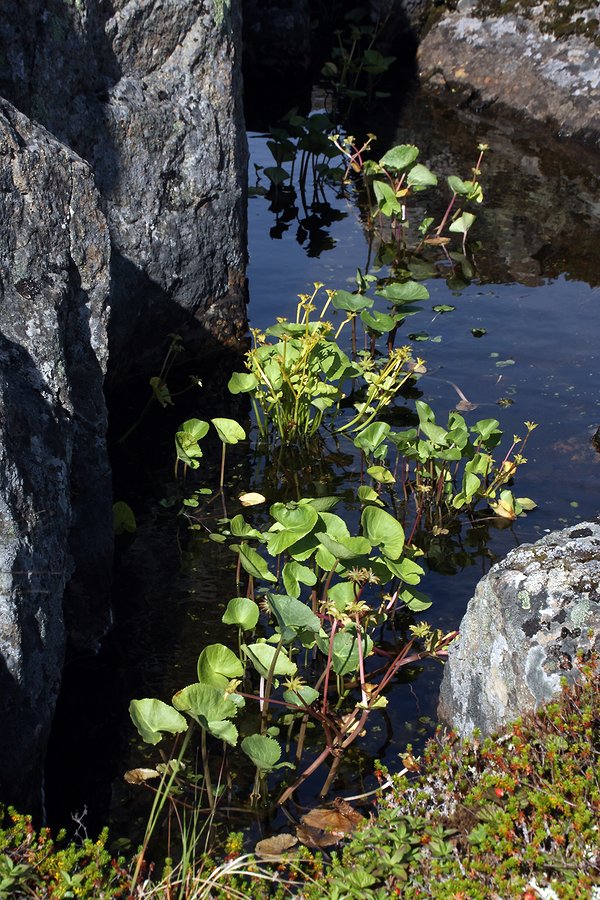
217	665
152	717
251	498
292	613
243	612
229	431
383	531
399	157
261	657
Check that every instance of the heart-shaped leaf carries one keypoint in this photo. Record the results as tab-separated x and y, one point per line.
383	531
243	612
218	665
152	717
263	750
229	431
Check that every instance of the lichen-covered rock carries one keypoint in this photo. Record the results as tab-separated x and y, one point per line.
530	615
149	93
518	56
55	492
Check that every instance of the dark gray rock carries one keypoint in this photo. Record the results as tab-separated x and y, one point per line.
55	492
530	615
149	93
520	60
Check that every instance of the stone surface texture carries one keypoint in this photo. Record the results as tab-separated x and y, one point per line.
55	486
530	615
149	93
506	59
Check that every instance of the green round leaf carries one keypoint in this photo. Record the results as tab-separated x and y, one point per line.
152	717
229	431
243	612
123	518
263	750
242	382
383	530
217	665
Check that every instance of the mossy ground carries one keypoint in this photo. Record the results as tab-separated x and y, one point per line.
560	18
514	816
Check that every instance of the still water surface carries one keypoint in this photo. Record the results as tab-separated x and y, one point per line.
536	296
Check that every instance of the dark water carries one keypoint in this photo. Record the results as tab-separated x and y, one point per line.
536	295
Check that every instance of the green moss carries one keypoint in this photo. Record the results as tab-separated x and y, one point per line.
560	19
491	819
34	864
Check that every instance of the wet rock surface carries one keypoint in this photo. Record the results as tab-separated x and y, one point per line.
55	486
529	617
149	93
514	59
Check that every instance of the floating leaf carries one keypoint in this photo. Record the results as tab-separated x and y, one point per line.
151	717
252	498
243	612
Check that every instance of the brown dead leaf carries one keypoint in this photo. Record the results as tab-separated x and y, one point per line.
465	406
139	776
436	241
324	827
273	847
